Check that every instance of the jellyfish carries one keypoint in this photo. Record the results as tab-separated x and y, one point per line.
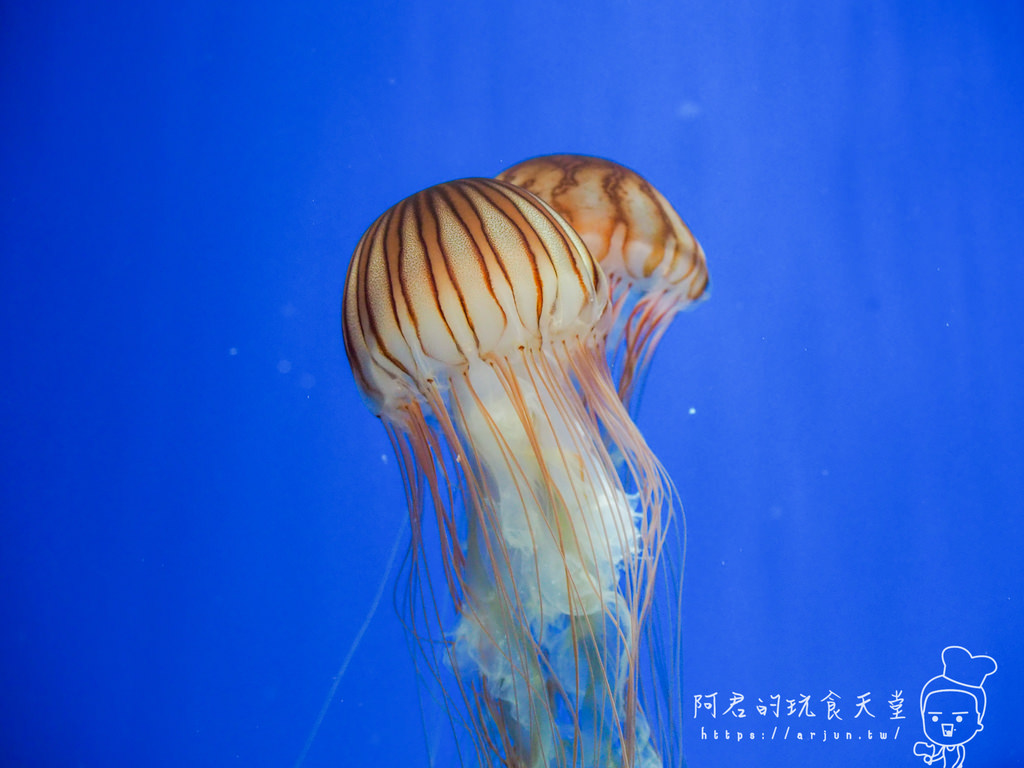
655	265
475	322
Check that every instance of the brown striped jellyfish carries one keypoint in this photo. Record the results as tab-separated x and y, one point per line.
654	264
475	322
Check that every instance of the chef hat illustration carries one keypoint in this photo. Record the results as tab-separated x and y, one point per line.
964	672
959	666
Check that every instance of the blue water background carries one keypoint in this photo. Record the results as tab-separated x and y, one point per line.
195	506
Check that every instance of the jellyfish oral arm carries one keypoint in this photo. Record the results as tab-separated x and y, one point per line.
545	632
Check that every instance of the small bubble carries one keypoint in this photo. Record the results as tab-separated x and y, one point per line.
692	411
384	458
284	366
233	351
307	381
688	110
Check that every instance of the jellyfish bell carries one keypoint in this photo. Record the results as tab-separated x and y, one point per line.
460	273
654	264
475	319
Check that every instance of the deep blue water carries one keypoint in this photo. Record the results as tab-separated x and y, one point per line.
195	506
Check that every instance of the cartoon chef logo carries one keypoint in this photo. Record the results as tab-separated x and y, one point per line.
952	707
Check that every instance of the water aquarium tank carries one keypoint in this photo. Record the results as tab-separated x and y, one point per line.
764	513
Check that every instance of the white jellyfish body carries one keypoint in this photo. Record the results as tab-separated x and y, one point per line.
475	322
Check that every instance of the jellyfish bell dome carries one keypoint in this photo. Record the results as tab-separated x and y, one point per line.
655	265
464	271
628	225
